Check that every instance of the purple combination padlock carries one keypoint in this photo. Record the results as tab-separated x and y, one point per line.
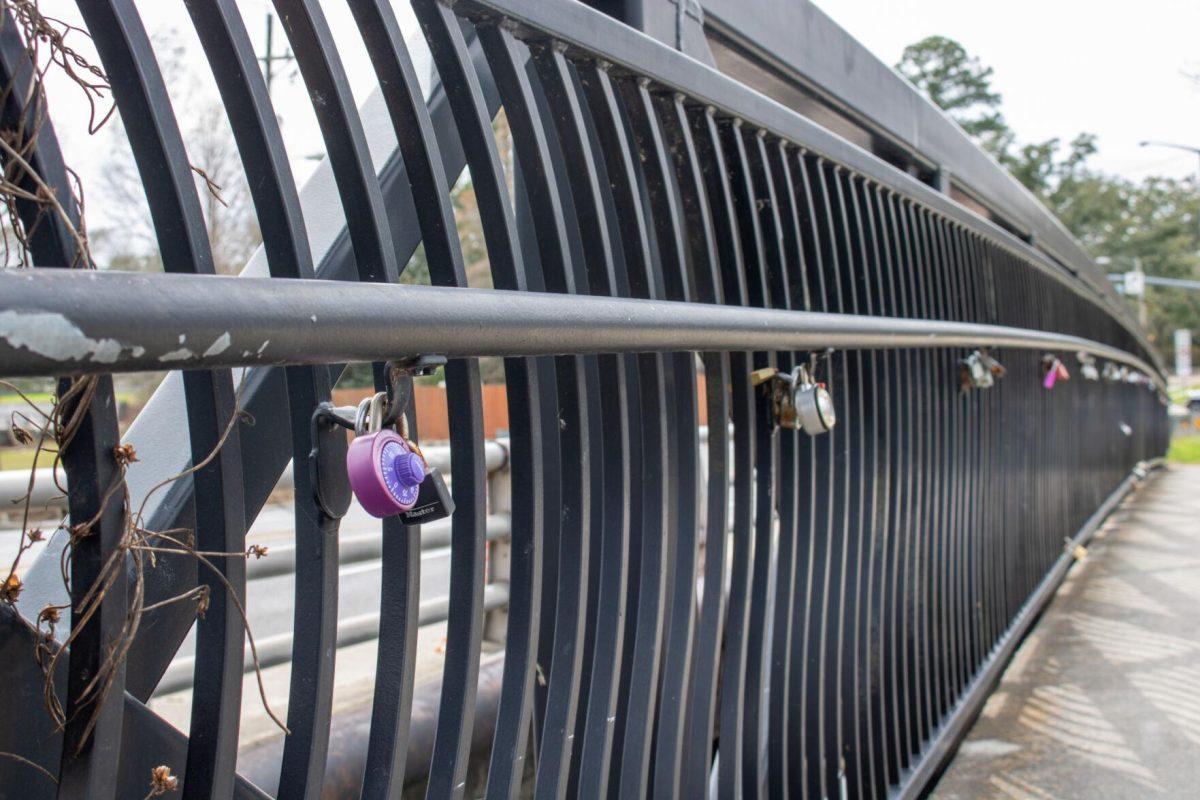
385	473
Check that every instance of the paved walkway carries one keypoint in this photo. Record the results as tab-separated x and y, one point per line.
1103	699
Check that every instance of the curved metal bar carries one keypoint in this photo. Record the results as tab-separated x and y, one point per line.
532	462
936	646
464	632
162	163
681	540
608	581
632	738
865	764
859	447
835	504
776	554
741	694
794	451
802	704
87	760
313	652
625	769
399	599
562	274
697	706
893	665
914	448
883	410
923	435
212	746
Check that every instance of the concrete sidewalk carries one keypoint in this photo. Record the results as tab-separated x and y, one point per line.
1103	699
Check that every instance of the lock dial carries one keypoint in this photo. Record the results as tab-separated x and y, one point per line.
385	473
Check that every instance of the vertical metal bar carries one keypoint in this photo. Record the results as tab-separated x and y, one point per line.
841	483
702	253
212	745
774	561
739	728
601	671
730	281
808	763
916	641
534	456
867	254
162	163
564	275
886	715
680	563
855	750
418	146
639	675
936	563
314	646
783	710
88	458
956	446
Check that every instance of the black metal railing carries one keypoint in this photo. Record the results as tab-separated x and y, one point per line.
788	615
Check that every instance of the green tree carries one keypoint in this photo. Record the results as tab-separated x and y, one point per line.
959	85
1153	221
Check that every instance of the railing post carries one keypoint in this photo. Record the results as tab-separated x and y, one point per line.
499	553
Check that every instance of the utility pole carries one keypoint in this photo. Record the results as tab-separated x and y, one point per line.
1137	267
270	58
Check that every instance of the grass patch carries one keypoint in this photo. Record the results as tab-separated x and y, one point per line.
1184	450
22	458
41	398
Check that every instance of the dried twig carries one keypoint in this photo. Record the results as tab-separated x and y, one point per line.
26	201
28	763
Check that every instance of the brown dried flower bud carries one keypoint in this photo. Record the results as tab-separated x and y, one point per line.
162	781
10	590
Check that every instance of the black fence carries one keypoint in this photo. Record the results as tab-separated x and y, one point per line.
804	614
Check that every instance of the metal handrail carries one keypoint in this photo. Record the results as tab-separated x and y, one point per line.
69	319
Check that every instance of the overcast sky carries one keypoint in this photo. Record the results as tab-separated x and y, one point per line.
1112	68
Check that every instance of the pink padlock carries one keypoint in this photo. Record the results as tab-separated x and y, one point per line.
1056	371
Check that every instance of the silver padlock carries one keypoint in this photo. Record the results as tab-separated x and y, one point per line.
812	403
1087	366
976	375
979	371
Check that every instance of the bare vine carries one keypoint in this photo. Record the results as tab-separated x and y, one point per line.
28	201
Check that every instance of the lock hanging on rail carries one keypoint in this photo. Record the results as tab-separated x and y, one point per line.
1055	371
979	371
386	469
1087	366
801	402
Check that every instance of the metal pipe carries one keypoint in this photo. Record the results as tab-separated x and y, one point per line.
277	649
1155	280
281	559
55	322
